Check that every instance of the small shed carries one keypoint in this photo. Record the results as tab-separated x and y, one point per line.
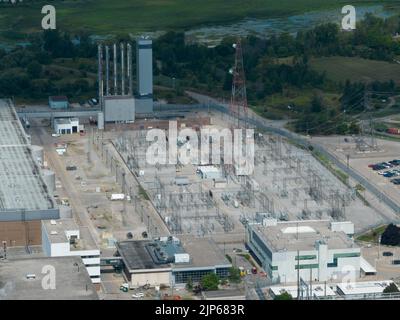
58	102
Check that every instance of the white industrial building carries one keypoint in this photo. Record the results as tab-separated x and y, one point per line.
318	249
62	238
316	290
209	172
366	289
66	125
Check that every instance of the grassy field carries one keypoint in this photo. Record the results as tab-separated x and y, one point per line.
133	16
356	69
372	235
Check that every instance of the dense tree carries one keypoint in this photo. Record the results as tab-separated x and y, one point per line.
391	235
210	281
391	288
284	296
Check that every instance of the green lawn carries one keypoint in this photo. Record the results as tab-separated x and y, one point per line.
356	69
372	235
132	16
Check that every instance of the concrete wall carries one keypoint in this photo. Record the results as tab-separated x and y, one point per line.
144	66
151	278
119	109
144	105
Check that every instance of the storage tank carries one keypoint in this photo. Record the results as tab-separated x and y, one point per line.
38	154
50	179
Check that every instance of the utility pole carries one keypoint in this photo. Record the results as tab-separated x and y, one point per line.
298	275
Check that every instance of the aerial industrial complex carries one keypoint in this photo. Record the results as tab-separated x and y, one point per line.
77	192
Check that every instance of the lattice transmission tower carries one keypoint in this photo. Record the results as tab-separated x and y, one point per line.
238	106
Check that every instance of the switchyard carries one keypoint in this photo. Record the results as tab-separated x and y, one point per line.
288	183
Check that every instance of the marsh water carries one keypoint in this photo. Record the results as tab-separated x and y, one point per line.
266	27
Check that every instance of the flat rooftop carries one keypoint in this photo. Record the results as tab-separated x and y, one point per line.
56	231
136	256
319	290
203	253
363	287
302	235
71	279
21	184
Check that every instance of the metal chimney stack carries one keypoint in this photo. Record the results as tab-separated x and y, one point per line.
107	71
115	70
100	70
122	48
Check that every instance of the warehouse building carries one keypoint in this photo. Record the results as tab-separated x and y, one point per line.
24	195
66	125
22	279
209	172
318	249
62	238
168	260
363	289
58	102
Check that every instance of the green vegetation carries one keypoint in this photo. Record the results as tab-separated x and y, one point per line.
391	236
189	285
372	235
337	172
284	296
286	76
234	275
143	193
391	288
133	16
229	258
248	258
356	69
210	281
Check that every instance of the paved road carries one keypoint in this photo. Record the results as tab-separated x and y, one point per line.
79	209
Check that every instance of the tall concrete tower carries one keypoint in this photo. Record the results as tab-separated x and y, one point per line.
144	65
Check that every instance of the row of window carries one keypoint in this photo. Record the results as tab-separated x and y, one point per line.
197	275
315	265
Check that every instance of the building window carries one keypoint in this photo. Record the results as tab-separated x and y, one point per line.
306	257
273	268
346	255
194	275
307	266
342	255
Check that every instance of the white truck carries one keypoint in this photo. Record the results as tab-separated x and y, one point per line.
117	196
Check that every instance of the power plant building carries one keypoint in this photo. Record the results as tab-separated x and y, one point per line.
320	249
25	198
144	75
169	260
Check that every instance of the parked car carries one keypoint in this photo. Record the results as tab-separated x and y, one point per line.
389	174
387	254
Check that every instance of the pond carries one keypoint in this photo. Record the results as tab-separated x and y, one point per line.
212	35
